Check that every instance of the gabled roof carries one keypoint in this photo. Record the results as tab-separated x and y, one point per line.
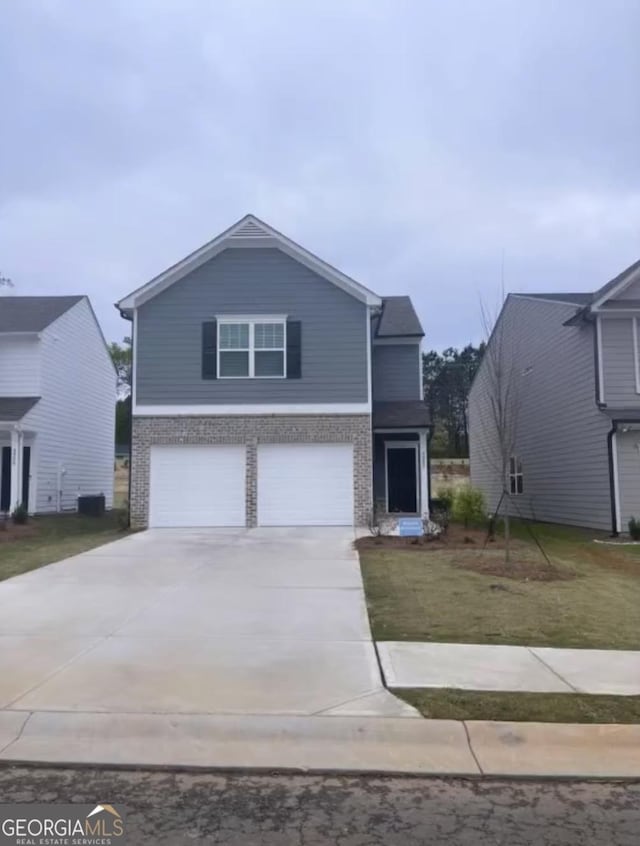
32	314
13	409
397	319
572	298
250	231
617	284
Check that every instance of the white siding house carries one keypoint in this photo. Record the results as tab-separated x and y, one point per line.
57	404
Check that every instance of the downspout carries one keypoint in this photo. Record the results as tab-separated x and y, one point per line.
612	480
130	432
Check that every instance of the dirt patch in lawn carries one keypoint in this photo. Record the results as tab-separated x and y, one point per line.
523	568
12	532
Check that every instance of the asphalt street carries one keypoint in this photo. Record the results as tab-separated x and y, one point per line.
173	808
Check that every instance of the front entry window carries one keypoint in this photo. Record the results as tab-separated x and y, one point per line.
402	479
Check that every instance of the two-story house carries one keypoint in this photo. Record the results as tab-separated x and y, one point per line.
270	389
57	404
573	364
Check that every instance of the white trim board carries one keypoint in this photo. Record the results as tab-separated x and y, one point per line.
636	363
249	410
250	230
627	279
600	359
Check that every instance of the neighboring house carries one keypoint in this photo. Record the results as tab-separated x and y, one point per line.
270	389
57	404
575	362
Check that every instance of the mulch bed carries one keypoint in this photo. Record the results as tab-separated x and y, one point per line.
456	537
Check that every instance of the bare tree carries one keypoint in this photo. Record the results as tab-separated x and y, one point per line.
501	388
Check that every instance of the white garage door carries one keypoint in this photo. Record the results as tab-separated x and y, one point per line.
305	485
201	485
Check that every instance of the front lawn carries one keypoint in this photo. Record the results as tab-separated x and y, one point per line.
447	704
52	538
588	597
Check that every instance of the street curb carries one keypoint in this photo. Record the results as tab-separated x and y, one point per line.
322	745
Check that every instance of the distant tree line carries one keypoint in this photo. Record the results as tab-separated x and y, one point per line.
447	378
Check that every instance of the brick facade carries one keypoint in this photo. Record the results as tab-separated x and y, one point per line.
251	431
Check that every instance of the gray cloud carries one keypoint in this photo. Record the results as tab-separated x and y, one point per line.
410	143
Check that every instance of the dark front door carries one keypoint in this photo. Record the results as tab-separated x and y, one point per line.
5	479
402	477
26	471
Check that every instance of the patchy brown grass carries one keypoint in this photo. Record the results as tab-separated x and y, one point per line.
54	537
588	596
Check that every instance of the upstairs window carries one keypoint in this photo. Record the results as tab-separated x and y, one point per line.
251	348
516	482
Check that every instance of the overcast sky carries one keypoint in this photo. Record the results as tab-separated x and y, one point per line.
410	143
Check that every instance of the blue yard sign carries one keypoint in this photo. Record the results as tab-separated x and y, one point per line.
410	527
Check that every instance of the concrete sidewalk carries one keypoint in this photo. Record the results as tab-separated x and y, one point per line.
336	744
510	668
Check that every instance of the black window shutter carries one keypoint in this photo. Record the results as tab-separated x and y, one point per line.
294	349
209	349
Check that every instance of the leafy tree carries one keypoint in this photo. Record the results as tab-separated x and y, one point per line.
121	357
123	417
447	379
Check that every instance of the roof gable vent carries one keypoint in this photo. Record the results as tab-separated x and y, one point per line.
250	229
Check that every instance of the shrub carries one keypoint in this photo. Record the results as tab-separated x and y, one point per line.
444	498
634	529
20	515
468	507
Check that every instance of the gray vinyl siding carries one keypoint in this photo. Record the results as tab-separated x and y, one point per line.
396	372
561	436
252	281
628	450
618	367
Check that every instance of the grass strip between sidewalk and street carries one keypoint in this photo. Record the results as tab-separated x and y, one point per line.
450	704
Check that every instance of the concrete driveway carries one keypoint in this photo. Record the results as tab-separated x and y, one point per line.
258	622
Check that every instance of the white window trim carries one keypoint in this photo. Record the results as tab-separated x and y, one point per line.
251	349
636	363
415	446
513	477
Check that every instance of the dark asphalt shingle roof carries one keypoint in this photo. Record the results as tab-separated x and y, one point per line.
402	414
579	299
15	408
32	314
398	318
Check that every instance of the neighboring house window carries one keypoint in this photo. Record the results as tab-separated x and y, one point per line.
515	475
251	349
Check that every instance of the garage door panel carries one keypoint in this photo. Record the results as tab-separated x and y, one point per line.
197	485
305	484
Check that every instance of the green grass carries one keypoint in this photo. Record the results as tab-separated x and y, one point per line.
431	595
447	704
58	536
